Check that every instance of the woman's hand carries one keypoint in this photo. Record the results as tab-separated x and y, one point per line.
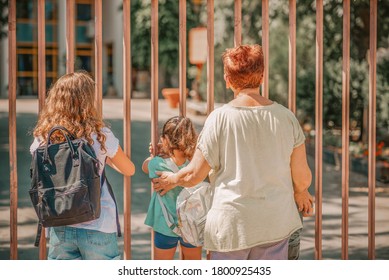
304	201
164	183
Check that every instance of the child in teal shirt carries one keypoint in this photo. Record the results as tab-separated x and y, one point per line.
178	143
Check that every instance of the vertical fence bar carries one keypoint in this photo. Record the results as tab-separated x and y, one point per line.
319	128
182	56
372	127
210	63
99	55
238	23
154	87
345	125
12	129
41	53
265	47
210	56
154	73
70	13
292	56
42	89
127	78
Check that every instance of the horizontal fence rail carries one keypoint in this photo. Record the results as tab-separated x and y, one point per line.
154	85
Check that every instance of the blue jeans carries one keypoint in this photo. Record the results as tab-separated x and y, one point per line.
70	243
294	243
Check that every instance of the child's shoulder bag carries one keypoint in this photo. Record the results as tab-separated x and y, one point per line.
192	206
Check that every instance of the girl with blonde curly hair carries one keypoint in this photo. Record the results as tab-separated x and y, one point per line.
178	144
70	103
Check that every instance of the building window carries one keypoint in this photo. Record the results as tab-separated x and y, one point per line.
84	35
27	45
109	89
109	48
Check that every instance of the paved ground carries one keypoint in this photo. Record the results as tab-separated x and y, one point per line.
140	126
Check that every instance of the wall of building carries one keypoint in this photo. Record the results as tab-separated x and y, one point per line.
61	37
4	67
113	33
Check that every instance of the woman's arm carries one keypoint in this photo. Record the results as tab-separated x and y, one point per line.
301	174
121	163
195	172
302	178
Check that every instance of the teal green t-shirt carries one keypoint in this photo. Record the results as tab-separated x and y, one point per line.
155	218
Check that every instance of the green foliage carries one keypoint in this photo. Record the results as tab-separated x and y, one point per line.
306	55
168	29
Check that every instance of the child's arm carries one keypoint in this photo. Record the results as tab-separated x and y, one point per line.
145	165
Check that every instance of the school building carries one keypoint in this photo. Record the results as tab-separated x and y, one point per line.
55	10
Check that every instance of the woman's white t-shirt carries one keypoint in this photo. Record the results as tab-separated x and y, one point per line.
107	220
249	149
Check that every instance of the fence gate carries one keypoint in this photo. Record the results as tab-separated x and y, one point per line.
127	76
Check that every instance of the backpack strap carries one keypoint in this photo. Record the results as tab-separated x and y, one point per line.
168	217
171	164
38	234
110	190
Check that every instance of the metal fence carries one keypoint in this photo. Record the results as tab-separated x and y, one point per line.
70	25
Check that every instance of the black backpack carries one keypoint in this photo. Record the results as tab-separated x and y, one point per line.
65	183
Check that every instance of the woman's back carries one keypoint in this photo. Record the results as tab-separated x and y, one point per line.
251	148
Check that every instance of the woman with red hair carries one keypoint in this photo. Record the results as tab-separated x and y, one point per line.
253	149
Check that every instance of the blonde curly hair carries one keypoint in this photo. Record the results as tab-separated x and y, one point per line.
70	103
181	134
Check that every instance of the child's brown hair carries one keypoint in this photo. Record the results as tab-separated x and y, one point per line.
181	135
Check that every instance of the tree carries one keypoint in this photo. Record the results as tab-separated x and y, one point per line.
333	40
168	35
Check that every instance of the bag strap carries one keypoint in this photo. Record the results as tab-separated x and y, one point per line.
171	164
168	217
63	130
68	138
38	234
110	190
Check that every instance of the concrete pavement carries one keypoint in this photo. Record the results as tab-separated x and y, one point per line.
140	137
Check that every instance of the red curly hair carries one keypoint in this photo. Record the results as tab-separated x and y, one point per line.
243	65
